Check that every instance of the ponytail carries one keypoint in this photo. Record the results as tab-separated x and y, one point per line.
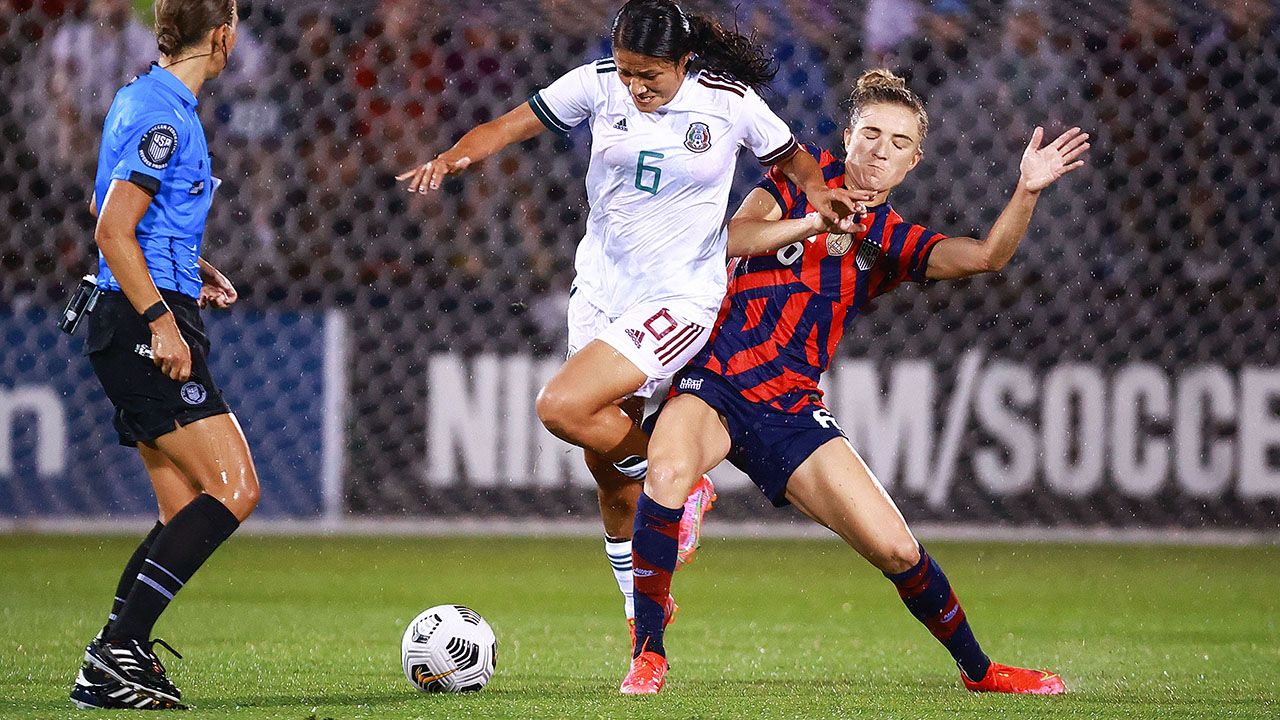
183	23
168	40
659	28
730	53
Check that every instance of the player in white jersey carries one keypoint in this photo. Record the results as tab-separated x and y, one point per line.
668	113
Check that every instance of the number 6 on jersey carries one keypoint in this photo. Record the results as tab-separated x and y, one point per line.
652	186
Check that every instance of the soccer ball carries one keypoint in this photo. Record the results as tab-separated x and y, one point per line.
449	648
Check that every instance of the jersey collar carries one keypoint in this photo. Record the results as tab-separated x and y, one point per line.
682	94
882	209
171	82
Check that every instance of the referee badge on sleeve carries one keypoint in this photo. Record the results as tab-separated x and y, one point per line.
158	146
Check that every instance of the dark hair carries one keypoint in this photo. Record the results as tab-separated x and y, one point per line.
881	86
183	23
659	28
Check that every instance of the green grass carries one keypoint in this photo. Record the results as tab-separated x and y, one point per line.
302	628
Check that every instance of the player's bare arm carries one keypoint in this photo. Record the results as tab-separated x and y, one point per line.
758	228
959	257
841	206
480	142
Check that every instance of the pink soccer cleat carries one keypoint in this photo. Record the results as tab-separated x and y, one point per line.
696	506
647	675
1009	679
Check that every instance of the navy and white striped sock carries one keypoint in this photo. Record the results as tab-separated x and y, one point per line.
179	550
619	554
634	467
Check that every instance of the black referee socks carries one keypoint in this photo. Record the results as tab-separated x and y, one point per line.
188	539
130	574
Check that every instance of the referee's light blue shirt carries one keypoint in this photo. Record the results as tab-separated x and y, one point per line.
153	138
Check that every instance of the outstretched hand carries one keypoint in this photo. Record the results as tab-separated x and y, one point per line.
429	176
1042	166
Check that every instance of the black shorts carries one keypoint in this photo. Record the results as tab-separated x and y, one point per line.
766	443
148	403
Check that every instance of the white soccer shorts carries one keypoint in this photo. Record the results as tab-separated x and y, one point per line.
658	338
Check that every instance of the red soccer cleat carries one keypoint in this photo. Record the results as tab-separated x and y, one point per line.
696	505
671	607
1009	679
647	674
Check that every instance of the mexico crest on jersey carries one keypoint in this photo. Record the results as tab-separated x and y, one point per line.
698	139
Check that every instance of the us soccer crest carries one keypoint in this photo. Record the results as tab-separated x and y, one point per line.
158	145
698	139
868	254
838	243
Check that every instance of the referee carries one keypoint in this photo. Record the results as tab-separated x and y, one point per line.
148	346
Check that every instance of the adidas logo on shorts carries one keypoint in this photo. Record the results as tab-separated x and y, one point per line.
637	336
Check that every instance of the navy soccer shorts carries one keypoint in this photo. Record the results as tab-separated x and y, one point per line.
148	403
766	443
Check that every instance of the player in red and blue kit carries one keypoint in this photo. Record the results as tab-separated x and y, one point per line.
752	395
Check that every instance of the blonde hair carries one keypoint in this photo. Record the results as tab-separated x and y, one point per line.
881	86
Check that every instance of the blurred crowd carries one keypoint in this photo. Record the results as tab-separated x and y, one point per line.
326	101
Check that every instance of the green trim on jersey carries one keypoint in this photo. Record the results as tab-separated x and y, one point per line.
547	117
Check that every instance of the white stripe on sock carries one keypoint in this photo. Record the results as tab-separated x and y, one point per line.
155	586
621	551
165	570
634	467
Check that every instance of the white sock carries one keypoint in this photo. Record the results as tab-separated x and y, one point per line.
634	467
619	554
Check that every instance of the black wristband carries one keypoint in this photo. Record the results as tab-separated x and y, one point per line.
155	312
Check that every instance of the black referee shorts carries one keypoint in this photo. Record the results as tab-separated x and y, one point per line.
148	403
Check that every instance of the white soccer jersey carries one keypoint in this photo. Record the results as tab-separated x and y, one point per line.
658	182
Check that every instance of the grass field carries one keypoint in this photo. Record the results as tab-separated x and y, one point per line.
310	628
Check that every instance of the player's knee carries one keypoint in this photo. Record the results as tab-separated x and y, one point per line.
896	556
241	497
558	411
669	480
251	494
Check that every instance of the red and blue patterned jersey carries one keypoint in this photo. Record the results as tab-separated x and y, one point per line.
785	312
